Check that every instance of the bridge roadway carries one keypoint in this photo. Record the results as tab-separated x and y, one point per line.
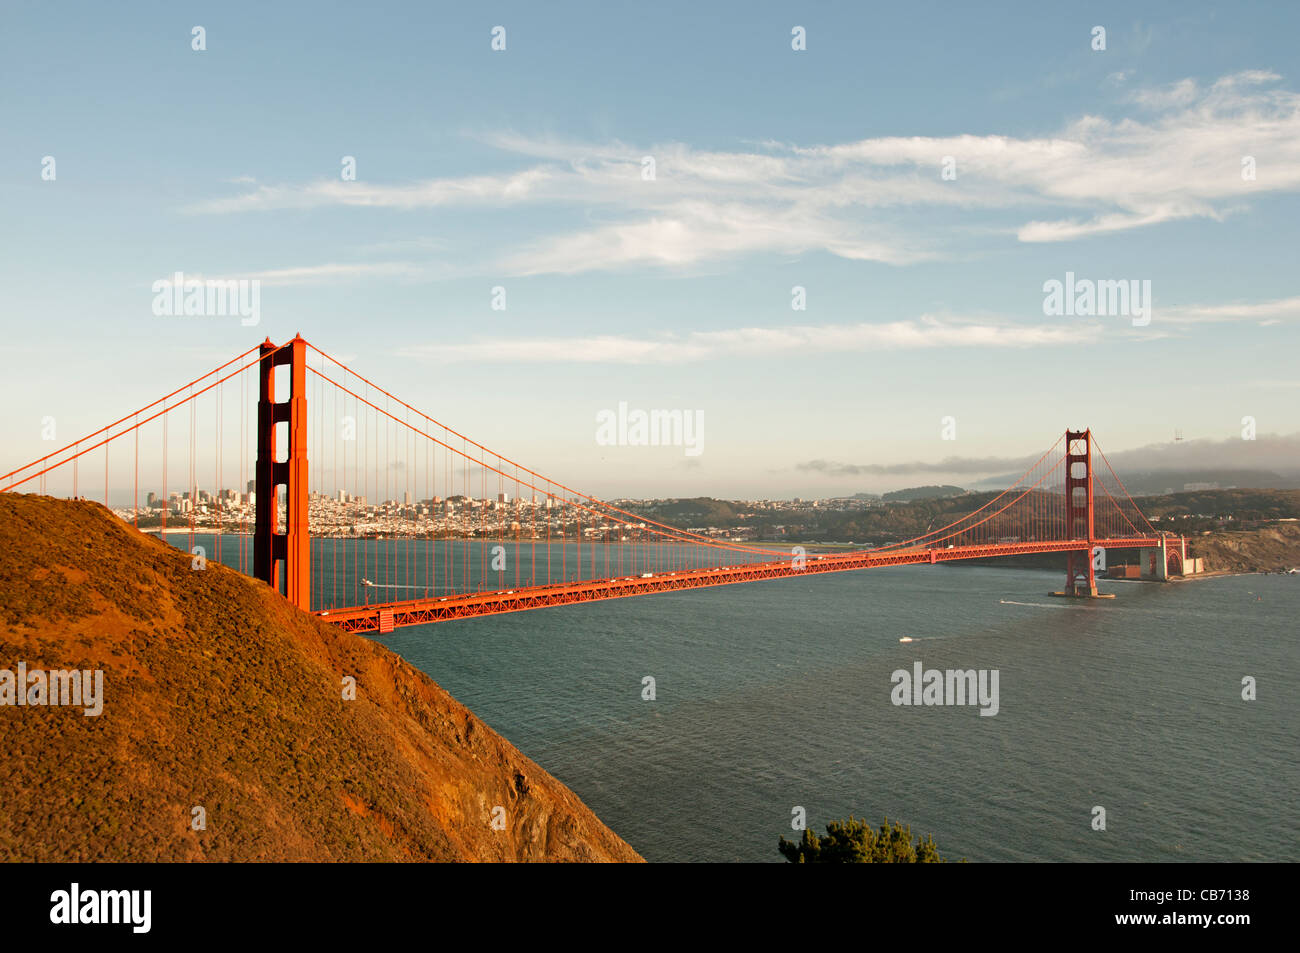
384	617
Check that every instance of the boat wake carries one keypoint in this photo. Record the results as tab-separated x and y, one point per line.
385	585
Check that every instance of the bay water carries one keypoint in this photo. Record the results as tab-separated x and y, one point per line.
774	699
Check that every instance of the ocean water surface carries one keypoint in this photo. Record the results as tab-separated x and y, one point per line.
776	695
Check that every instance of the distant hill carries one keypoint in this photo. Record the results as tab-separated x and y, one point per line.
1242	504
922	493
1161	482
219	694
702	511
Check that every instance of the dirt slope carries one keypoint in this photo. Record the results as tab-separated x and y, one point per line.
220	695
1270	549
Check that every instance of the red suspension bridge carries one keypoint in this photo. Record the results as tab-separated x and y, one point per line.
401	520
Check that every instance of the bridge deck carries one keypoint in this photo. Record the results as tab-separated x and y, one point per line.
383	617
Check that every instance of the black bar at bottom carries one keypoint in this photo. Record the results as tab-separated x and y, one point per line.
654	903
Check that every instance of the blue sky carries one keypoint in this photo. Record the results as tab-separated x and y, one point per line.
774	168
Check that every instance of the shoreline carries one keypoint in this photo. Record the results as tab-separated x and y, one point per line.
1218	574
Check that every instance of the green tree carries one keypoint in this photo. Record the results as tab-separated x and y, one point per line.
855	842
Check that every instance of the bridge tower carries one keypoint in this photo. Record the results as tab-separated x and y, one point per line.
282	549
1080	578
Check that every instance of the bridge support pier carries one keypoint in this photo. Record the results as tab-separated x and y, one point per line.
1080	576
282	559
1154	562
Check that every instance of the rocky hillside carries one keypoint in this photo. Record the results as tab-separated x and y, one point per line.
1269	549
224	705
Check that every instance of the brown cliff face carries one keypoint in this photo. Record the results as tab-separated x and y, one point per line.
218	694
1270	549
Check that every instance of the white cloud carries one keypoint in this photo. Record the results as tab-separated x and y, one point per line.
317	274
1266	313
697	231
1180	160
1179	94
925	332
334	272
514	187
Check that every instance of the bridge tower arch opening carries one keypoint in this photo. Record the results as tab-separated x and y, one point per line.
282	548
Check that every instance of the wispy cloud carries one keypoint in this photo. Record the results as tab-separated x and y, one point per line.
321	274
1264	313
428	194
1178	158
952	466
340	272
797	340
1267	452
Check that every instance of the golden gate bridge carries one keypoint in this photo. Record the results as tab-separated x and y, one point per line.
525	541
